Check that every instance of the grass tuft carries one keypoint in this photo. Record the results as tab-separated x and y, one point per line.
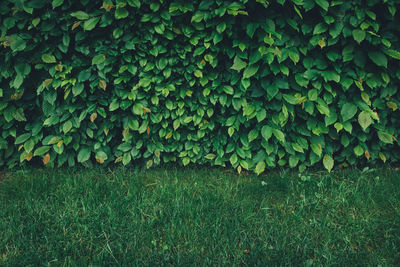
183	216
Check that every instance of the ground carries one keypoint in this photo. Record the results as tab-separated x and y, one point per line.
199	216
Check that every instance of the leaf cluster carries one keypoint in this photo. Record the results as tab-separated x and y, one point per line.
251	84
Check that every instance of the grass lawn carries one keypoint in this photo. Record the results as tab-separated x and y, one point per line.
193	216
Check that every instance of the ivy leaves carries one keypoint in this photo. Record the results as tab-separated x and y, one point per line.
238	64
201	82
348	111
98	59
47	58
378	58
324	4
91	23
81	15
249	70
359	35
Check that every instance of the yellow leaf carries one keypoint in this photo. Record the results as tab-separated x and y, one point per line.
125	132
76	24
20	147
106	131
100	160
119	159
392	106
106	6
277	52
59	67
93	117
28	156
59	144
169	135
103	85
148	130
46	158
239	169
146	110
149	164
322	43
382	156
47	82
367	155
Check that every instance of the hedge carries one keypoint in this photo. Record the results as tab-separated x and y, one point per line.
248	84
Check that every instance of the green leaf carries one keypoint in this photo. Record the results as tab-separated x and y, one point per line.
253	134
78	89
338	126
210	156
323	3
89	24
126	159
297	147
233	159
320	28
121	13
238	64
228	89
57	3
358	151
328	162
393	53
231	131
378	58
18	43
348	111
385	137
19	115
67	126
359	35
47	58
22	138
260	167
137	109
98	59
84	154
331	76
364	119
221	27
293	161
261	115
185	161
317	149
294	56
250	71
290	99
266	132
40	151
312	95
29	145
134	3
80	15
279	135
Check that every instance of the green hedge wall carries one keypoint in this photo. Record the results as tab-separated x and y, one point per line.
252	84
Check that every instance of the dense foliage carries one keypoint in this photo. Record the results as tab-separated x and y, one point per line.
252	84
